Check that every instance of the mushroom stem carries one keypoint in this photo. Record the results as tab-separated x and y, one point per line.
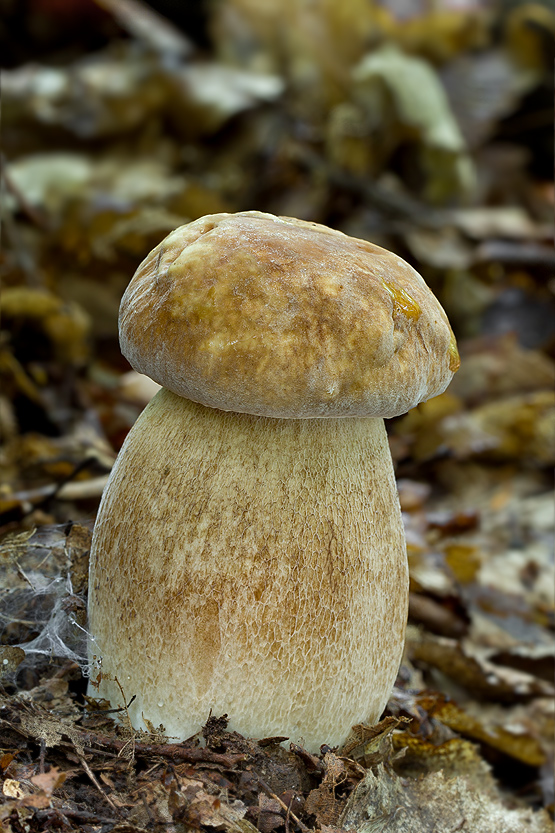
267	568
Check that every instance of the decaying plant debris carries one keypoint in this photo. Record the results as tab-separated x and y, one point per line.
429	133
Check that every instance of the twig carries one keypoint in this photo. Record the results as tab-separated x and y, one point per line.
34	214
93	778
402	207
131	741
77	815
288	810
147	25
93	750
192	754
41	755
311	762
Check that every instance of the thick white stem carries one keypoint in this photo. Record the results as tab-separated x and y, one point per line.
250	566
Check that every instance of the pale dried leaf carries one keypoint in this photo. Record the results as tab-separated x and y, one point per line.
432	805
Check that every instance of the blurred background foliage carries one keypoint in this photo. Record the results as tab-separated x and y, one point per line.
425	127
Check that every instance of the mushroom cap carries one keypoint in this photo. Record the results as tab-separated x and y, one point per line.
279	317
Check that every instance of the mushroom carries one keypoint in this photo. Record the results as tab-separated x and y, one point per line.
249	555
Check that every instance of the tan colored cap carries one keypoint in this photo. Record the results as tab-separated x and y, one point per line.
279	317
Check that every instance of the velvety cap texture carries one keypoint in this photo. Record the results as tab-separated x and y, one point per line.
278	317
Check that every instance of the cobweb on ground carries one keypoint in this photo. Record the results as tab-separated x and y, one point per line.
43	583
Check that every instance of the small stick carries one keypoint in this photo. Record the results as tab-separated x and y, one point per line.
42	754
287	809
34	214
193	754
78	815
93	778
131	741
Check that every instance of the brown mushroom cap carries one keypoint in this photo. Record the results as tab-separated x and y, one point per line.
278	317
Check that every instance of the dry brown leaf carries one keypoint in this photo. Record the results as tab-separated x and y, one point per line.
385	803
209	94
10	658
372	745
455	757
479	676
495	367
42	725
65	325
518	744
339	773
270	814
517	427
387	78
12	789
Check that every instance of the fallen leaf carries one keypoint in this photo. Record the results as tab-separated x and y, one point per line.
386	803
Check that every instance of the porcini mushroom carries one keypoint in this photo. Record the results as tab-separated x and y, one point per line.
249	555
